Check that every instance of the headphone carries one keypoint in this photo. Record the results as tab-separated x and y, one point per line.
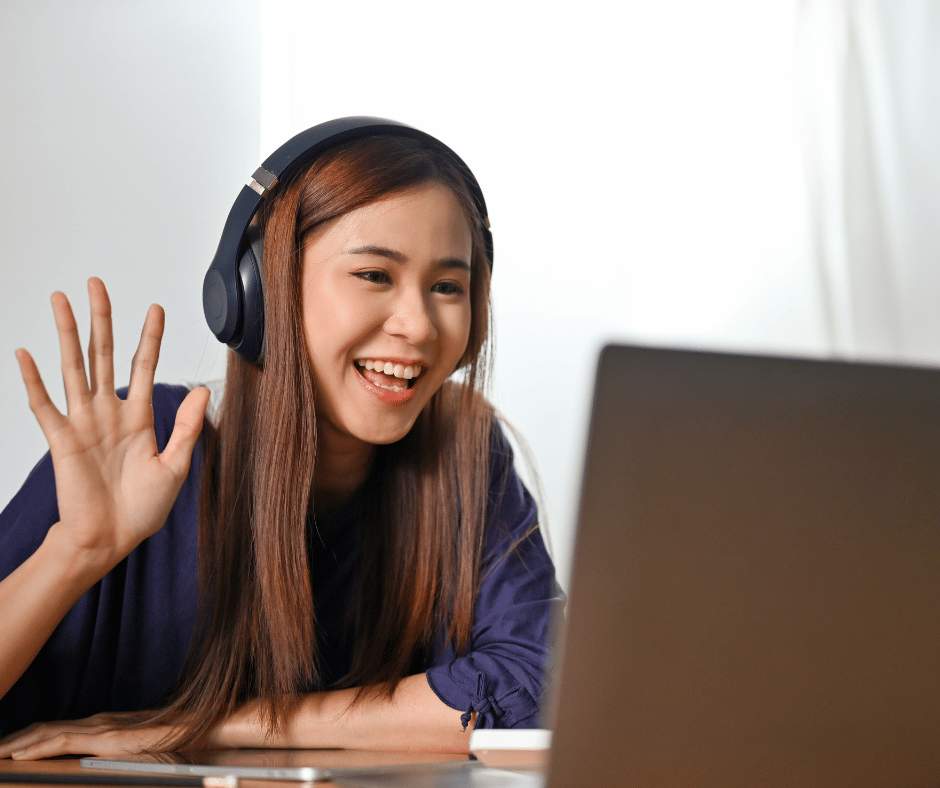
232	292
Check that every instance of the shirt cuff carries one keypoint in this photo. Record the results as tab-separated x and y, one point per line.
496	704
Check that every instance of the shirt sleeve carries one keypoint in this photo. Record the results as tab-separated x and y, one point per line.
501	677
122	644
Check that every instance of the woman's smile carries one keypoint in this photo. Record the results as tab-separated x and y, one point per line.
393	374
393	387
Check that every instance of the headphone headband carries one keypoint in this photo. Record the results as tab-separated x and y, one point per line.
231	295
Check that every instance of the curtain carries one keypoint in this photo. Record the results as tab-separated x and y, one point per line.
869	73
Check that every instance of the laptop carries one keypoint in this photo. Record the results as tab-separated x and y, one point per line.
755	593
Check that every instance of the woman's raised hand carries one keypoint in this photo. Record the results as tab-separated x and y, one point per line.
114	489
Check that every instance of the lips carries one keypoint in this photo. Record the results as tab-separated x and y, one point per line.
391	381
392	367
391	374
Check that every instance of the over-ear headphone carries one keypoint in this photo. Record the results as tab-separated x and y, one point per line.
232	292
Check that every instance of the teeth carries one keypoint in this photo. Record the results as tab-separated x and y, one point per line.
396	370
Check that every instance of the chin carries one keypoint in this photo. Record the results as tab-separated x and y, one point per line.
384	435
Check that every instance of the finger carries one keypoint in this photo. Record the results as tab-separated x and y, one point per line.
7	743
144	365
112	742
29	736
73	362
101	340
39	732
45	411
189	418
65	743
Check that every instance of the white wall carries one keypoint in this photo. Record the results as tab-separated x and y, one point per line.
128	128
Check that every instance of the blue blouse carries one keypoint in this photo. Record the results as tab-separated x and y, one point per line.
123	644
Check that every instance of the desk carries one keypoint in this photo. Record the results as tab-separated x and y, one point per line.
338	759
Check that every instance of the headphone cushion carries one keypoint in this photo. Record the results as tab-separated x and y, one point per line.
251	346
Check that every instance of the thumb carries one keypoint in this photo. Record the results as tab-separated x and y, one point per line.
179	450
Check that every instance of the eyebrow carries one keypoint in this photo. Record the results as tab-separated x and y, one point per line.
398	257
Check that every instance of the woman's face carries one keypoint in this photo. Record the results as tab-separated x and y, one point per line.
386	300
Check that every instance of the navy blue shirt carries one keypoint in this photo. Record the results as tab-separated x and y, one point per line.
123	644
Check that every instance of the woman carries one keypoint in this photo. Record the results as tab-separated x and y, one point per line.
370	572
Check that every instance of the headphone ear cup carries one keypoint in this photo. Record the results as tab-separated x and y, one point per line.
251	346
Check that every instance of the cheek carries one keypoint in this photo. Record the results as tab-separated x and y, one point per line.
459	332
325	322
335	326
314	325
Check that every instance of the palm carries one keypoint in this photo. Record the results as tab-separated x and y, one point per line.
113	487
107	469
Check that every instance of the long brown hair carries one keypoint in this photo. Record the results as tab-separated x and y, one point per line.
420	558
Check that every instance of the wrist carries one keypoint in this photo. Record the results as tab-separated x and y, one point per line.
75	564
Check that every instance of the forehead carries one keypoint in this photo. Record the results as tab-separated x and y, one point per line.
427	212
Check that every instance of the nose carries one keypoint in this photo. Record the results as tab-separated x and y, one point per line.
412	318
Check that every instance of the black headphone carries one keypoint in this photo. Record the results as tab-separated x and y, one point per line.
232	293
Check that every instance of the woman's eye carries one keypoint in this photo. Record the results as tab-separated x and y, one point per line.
376	277
448	288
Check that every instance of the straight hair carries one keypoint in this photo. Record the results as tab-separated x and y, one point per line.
420	560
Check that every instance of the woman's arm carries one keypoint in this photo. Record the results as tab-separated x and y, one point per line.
413	719
501	678
36	597
112	486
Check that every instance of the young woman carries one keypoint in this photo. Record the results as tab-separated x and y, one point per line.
341	556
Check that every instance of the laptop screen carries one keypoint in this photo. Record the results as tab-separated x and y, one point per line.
755	595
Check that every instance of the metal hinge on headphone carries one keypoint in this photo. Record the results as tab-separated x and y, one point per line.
263	182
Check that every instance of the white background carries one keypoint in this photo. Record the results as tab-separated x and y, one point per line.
642	162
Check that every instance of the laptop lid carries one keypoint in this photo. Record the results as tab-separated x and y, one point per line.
755	594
